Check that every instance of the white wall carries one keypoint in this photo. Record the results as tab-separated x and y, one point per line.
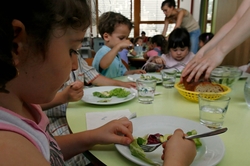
186	4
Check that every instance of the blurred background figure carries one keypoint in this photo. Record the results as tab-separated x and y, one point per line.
144	37
182	19
204	38
158	47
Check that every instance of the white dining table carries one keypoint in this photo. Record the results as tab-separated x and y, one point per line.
170	103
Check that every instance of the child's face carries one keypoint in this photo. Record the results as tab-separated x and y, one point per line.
201	44
139	42
120	34
179	53
40	78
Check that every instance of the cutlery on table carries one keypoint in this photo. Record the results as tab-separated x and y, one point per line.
152	147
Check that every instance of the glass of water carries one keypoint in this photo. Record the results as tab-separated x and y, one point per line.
146	90
213	112
168	77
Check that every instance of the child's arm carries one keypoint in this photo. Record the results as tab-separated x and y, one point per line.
108	58
135	72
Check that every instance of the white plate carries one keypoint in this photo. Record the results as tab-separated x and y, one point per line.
89	98
134	77
210	153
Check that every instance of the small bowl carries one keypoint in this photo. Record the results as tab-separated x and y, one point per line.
226	75
193	96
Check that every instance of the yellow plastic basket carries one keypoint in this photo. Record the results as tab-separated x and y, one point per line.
193	96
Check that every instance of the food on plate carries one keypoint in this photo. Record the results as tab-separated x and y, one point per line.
149	77
137	151
118	92
202	85
104	101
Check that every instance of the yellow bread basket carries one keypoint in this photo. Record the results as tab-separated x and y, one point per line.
193	96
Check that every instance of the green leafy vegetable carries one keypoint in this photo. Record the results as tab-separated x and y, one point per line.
148	77
118	92
141	141
136	151
197	141
104	94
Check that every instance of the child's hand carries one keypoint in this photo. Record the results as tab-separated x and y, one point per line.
135	72
116	131
158	60
73	92
139	71
126	44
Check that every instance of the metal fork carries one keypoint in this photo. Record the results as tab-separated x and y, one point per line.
152	147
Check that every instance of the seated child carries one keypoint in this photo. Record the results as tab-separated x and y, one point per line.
114	29
138	41
132	52
179	54
204	38
158	47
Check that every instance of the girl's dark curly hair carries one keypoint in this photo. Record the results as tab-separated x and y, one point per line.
40	18
160	41
109	20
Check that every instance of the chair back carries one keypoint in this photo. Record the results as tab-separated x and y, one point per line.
125	64
89	61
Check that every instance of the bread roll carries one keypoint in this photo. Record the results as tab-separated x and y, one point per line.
208	87
202	85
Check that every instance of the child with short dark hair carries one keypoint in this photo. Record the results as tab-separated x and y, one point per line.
114	29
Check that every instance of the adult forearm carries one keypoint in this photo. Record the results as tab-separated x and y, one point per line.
239	33
218	36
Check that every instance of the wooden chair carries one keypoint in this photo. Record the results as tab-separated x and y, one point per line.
125	64
89	61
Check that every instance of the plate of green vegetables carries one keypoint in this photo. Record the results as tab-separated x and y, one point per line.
210	150
107	95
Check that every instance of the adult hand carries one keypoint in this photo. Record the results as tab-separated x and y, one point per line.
202	63
116	131
73	92
177	150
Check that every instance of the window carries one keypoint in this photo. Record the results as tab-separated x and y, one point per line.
145	14
209	15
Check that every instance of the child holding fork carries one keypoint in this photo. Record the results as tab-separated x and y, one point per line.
33	69
179	54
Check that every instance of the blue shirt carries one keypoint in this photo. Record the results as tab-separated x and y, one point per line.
116	68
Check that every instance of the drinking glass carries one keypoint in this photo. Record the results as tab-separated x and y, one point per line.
168	77
146	90
213	112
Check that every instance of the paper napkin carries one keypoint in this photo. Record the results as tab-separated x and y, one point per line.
97	119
